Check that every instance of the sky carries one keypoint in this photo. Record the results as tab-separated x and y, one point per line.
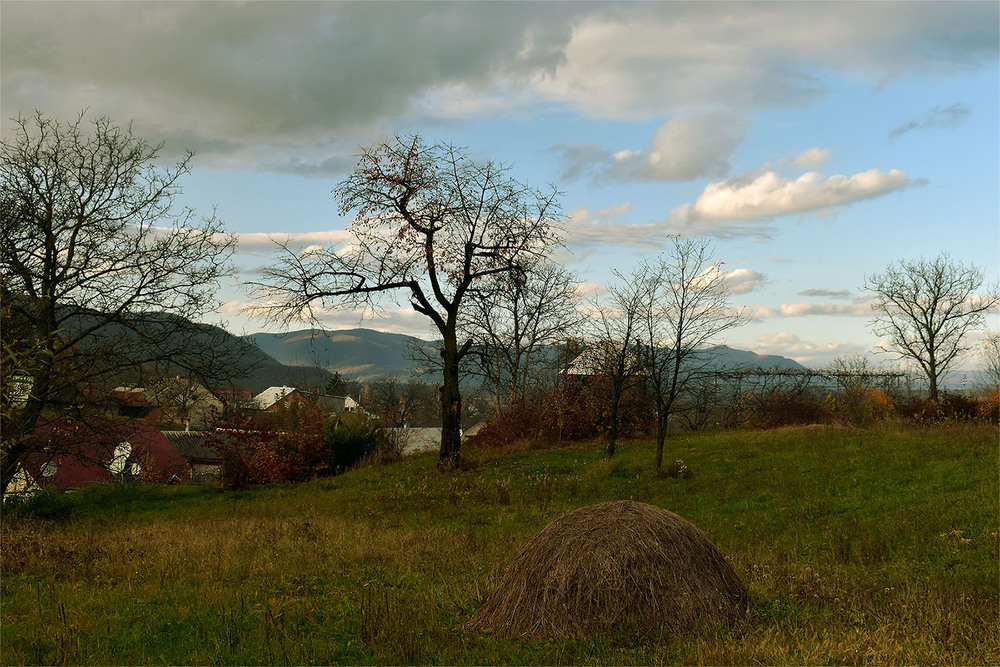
813	143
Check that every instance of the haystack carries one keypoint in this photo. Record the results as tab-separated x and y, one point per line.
615	565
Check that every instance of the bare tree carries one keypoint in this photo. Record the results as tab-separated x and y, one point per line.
926	307
396	402
101	272
432	224
685	305
613	356
514	320
990	371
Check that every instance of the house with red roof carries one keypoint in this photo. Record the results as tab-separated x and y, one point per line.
70	454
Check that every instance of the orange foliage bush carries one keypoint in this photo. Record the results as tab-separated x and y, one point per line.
989	409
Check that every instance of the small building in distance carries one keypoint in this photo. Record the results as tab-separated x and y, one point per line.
205	460
183	400
274	399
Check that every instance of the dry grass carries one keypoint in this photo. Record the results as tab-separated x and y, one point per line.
613	566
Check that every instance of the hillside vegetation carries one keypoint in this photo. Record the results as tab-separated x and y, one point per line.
857	546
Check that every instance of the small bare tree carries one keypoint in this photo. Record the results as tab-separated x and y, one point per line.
101	272
613	355
990	371
926	307
685	306
515	320
430	223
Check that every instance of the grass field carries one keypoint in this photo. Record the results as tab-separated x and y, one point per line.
857	547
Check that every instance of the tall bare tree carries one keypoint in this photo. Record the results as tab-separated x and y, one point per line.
101	271
925	308
515	320
432	224
685	305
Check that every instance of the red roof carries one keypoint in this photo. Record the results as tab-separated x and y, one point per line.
73	454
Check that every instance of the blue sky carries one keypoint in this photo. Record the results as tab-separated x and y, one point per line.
813	142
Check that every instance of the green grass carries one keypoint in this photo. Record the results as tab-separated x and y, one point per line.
857	547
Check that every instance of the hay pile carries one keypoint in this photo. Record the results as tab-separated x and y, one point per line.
615	565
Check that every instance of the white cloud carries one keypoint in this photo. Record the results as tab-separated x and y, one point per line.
394	320
742	281
589	289
814	158
742	207
588	230
829	294
763	197
684	148
258	243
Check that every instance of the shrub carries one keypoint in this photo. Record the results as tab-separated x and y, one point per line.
513	423
950	407
350	438
860	405
989	408
787	409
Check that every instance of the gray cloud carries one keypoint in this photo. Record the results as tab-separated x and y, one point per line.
826	294
242	79
685	148
637	60
938	117
288	86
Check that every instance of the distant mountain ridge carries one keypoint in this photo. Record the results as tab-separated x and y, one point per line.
365	354
728	357
362	354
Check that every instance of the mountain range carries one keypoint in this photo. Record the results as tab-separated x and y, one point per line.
365	354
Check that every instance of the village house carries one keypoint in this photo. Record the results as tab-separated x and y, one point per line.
70	454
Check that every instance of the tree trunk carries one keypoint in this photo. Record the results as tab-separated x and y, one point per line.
613	427
661	438
451	407
932	377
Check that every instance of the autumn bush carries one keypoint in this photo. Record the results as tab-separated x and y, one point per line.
785	408
989	408
949	407
255	451
859	405
573	412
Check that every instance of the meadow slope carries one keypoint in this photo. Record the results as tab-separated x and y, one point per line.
857	546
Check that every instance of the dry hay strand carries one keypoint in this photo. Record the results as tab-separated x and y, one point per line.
618	565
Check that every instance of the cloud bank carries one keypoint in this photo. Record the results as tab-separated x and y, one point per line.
285	86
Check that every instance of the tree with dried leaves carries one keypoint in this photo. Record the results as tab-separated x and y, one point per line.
429	223
925	308
100	271
684	305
